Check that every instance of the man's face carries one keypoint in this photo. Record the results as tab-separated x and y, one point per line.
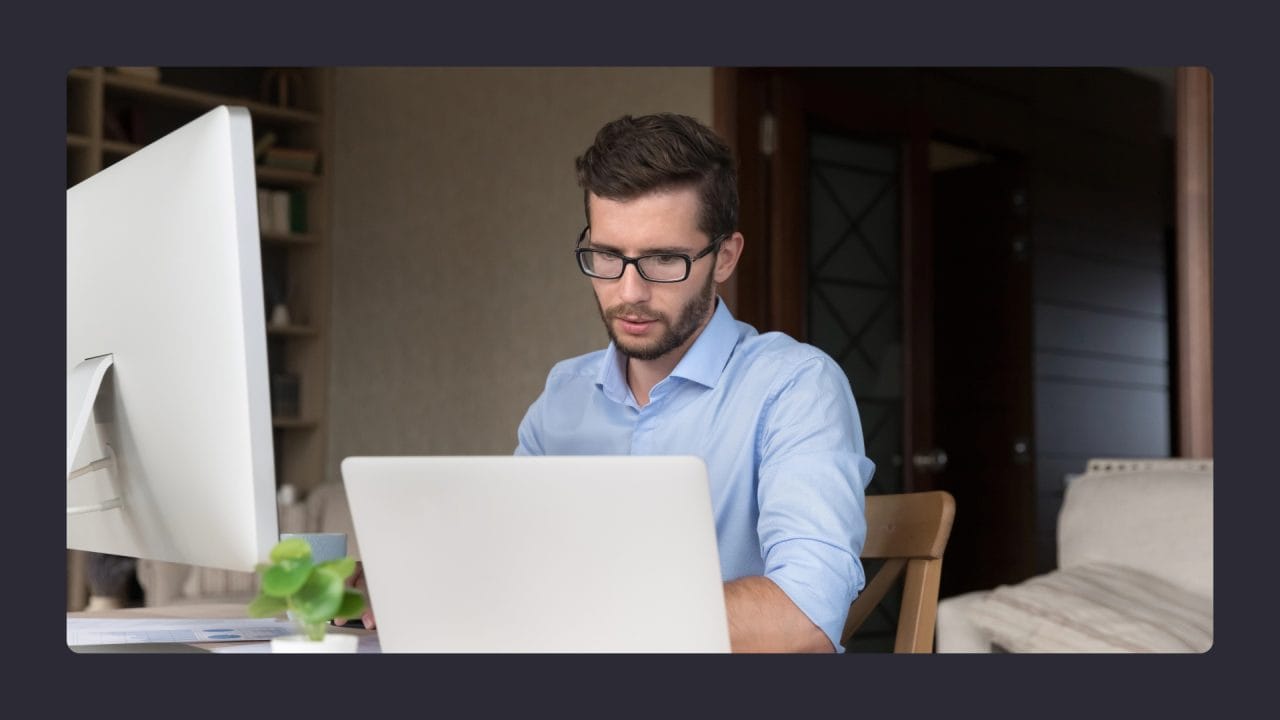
648	320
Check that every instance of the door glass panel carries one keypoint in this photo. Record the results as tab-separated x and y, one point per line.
855	287
855	309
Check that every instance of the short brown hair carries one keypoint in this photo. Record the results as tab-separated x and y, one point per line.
632	156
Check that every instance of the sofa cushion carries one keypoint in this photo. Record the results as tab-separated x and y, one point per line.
1097	607
1158	522
956	631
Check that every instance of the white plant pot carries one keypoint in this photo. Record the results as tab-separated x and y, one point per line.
332	643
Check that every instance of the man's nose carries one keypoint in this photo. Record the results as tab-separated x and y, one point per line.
632	288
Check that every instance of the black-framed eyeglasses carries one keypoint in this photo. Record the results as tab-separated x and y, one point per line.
660	268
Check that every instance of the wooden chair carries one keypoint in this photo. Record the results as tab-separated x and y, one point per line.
909	532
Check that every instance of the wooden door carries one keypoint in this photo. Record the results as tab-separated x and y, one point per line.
983	403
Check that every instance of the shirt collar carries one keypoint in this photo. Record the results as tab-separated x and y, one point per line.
709	354
612	378
703	363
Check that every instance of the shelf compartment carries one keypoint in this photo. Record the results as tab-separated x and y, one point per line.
119	147
265	174
281	176
173	94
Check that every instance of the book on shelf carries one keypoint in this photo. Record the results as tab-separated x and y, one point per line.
282	212
279	211
300	159
265	223
298	211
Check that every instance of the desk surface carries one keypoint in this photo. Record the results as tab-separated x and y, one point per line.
211	611
220	611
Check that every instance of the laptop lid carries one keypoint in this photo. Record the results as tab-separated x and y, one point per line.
539	554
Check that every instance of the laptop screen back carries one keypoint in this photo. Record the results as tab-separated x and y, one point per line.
539	554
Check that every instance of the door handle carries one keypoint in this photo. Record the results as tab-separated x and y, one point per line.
934	460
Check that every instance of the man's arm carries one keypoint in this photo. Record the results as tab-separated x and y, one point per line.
811	477
763	619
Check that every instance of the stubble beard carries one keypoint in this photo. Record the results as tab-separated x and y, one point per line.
690	319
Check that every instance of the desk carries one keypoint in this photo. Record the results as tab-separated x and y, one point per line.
209	611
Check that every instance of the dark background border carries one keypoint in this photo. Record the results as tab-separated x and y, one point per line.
42	44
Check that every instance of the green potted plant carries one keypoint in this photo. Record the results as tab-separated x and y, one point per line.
311	593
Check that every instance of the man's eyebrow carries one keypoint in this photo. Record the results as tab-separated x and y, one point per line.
665	250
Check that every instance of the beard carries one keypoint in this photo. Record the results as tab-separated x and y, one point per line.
691	317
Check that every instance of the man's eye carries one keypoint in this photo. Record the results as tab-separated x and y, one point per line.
668	259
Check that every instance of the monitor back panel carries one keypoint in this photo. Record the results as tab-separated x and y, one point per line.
164	273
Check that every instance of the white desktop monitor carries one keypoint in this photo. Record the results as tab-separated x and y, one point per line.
164	280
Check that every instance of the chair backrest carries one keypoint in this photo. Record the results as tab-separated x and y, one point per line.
908	531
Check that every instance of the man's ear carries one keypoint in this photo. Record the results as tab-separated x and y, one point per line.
727	257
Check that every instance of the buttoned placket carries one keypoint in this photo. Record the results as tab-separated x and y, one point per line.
647	417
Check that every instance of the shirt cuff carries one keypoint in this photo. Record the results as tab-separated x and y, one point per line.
821	579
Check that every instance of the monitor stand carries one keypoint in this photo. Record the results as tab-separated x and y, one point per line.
83	385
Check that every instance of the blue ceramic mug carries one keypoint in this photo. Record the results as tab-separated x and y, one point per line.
324	546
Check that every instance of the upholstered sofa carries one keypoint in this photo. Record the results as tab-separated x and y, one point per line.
1135	570
323	510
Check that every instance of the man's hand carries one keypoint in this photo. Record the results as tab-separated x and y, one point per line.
763	619
357	581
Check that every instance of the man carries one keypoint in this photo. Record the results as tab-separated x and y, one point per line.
774	419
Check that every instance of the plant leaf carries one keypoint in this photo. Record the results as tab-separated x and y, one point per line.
291	549
286	578
352	604
319	597
267	606
344	567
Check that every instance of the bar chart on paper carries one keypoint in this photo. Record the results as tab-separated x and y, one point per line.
91	631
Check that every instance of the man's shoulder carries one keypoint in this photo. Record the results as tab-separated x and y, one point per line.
776	362
774	351
586	365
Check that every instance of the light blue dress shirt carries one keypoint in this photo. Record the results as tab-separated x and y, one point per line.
775	422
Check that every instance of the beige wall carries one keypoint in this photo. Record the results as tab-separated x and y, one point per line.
454	214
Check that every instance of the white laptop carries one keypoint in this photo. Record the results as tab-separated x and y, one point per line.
539	554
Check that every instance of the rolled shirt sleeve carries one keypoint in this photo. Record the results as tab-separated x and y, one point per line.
812	477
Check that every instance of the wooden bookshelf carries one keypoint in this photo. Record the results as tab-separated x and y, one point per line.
157	91
119	147
112	115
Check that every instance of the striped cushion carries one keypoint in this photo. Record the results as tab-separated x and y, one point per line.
1096	608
